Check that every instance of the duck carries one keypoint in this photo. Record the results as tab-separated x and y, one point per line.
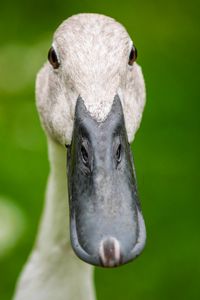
90	96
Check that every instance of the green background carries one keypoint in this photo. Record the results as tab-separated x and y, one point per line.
166	148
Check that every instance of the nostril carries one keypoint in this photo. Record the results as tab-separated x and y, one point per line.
110	252
118	153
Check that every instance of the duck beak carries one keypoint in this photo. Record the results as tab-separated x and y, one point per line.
106	223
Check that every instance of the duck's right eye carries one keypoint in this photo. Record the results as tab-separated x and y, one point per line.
53	59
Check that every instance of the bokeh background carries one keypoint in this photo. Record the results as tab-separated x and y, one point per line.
166	148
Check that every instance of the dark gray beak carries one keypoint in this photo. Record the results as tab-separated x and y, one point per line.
106	223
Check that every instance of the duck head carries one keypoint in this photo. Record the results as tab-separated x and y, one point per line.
90	98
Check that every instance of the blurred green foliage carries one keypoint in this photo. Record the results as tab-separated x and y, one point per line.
166	149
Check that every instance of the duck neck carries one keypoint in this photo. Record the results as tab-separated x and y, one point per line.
72	278
54	229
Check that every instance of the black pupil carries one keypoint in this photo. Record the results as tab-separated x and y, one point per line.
132	56
52	57
118	153
84	154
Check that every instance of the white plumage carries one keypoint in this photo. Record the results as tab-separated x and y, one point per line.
93	52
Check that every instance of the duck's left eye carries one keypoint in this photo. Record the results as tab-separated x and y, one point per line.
53	59
132	56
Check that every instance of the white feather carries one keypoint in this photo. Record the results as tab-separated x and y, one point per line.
93	51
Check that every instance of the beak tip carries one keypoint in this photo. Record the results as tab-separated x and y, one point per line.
110	252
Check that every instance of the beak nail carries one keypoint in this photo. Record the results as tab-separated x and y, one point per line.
110	252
